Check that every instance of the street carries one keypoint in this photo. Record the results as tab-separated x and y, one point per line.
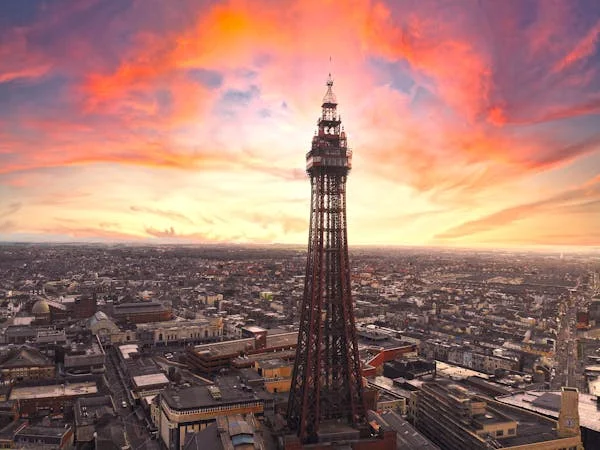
569	368
138	435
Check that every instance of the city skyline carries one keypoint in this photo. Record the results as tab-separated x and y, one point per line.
132	121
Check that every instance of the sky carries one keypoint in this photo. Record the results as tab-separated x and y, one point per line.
472	123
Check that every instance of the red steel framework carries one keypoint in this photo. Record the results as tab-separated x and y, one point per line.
326	382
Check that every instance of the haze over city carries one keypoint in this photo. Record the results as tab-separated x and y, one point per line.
471	123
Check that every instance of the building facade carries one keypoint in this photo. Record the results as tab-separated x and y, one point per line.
26	363
180	332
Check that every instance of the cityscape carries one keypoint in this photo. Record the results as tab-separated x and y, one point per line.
447	300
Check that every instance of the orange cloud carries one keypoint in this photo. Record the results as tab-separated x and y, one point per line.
585	198
163	213
584	49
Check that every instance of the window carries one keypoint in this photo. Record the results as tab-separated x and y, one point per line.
499	433
511	431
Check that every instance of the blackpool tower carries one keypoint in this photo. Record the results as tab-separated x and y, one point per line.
326	382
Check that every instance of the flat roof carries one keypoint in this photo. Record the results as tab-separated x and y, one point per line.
40	431
172	324
254	329
284	355
387	384
282	339
139	305
150	379
54	390
541	403
408	438
449	370
126	349
239	345
273	363
200	397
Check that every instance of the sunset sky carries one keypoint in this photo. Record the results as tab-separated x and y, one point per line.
473	123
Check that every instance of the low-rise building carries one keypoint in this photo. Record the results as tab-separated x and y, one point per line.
42	437
453	417
188	410
54	398
142	312
145	377
26	363
226	433
85	358
212	358
88	413
180	332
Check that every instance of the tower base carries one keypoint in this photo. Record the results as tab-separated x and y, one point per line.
342	437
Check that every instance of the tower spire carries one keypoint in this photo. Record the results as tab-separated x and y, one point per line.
329	97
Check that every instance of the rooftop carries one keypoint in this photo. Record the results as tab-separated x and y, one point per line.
40	431
548	404
89	409
531	428
150	380
127	349
24	356
54	390
240	345
138	307
407	437
199	396
173	324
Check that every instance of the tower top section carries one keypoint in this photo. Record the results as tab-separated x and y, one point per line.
329	98
329	150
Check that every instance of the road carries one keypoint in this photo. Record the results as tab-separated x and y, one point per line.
569	368
136	431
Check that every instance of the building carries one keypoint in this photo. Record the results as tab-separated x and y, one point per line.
9	431
26	363
145	377
66	308
228	432
41	311
101	325
407	438
142	312
50	399
453	417
549	403
42	437
594	311
213	358
276	374
409	368
94	415
84	358
177	412
180	332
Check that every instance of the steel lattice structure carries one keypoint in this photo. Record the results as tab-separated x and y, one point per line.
326	381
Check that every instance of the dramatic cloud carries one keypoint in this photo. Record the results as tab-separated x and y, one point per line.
461	116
